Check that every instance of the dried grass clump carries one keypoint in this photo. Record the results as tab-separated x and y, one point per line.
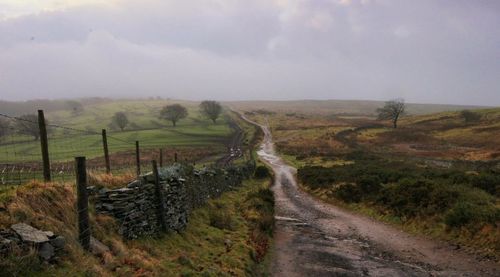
109	180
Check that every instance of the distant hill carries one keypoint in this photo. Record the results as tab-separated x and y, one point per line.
17	108
354	107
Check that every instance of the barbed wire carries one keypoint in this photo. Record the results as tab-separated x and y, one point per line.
64	127
21	159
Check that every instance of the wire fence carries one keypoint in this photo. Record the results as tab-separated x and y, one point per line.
22	159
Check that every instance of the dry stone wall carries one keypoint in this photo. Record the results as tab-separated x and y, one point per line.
183	188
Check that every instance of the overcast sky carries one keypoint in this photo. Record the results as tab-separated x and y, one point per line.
424	51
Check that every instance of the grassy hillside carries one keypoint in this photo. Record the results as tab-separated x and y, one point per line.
145	126
436	174
352	107
229	236
443	135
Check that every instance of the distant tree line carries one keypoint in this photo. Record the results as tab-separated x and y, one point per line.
27	125
175	112
172	113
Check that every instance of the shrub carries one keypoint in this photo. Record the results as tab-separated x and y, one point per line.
408	191
417	197
266	224
261	172
466	213
370	185
460	215
470	116
348	193
487	182
221	218
317	176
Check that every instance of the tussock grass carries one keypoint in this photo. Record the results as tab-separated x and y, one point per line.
110	181
201	249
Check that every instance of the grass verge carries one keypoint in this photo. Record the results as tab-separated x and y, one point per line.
482	241
227	237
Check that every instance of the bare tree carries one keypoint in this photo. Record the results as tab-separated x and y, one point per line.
120	119
28	125
173	113
392	110
4	127
211	109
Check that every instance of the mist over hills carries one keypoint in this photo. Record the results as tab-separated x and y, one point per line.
358	107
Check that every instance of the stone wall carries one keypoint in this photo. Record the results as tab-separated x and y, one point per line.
183	188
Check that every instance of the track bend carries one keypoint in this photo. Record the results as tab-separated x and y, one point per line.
313	238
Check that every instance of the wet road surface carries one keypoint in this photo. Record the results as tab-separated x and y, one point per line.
313	238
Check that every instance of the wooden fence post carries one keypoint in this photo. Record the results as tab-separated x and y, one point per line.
106	152
45	146
175	157
161	157
159	198
82	203
137	158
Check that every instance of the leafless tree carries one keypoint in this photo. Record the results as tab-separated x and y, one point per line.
392	110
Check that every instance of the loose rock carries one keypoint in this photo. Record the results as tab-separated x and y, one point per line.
97	248
46	251
58	242
30	234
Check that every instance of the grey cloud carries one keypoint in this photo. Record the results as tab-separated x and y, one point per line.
425	51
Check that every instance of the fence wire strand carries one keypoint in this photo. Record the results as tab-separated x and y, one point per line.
21	157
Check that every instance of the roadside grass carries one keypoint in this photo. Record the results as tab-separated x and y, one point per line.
371	134
313	161
483	241
202	249
461	207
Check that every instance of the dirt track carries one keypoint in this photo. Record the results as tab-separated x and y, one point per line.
317	239
234	146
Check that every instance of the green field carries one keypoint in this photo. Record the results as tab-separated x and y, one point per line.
144	126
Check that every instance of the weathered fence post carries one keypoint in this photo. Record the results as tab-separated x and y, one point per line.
82	203
137	158
45	146
161	157
159	198
106	152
